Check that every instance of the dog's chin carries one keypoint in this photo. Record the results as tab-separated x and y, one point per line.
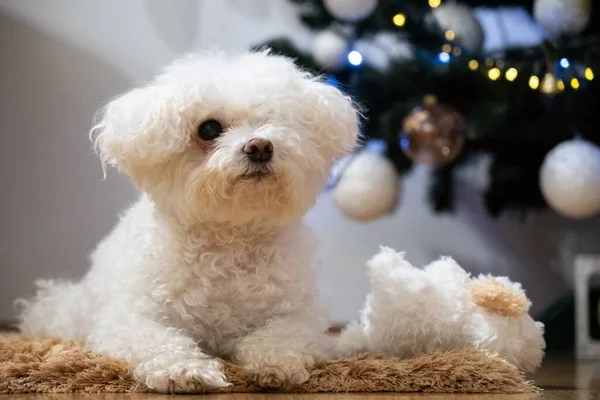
257	174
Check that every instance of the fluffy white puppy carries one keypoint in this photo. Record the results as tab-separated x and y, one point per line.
213	259
412	311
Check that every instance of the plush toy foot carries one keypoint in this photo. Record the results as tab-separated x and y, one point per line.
446	272
501	322
500	296
389	267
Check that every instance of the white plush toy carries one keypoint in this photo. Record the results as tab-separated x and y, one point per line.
413	311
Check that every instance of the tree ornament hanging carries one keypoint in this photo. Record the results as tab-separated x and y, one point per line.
351	10
570	178
433	133
462	22
562	17
330	50
369	187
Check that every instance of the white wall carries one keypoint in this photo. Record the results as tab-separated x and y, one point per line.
60	59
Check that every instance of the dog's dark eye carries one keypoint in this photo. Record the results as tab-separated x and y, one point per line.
210	130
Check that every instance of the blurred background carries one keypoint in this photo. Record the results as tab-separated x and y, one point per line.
480	143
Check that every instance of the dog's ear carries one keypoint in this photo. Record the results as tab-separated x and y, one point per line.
138	128
338	119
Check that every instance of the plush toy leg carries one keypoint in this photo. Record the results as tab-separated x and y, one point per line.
501	324
390	272
446	272
507	300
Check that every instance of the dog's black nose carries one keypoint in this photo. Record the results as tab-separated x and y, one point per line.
259	150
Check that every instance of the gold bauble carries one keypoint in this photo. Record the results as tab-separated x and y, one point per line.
433	133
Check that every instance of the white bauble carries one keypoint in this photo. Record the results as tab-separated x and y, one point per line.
351	10
570	178
330	50
369	187
560	17
461	20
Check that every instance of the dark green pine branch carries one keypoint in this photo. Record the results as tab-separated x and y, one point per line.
511	123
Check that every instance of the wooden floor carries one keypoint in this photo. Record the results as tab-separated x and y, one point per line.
560	379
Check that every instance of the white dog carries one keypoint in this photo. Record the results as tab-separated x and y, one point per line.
213	259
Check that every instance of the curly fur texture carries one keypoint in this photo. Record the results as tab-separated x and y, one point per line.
213	260
413	311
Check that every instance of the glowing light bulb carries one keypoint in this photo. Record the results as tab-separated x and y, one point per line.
575	83
534	82
589	74
355	58
430	100
473	65
494	74
511	74
549	84
564	63
434	3
450	35
457	51
560	85
399	19
446	48
444	57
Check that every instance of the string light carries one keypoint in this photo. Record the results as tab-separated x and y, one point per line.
446	48
564	63
450	35
444	57
434	3
549	84
355	58
575	83
589	74
560	85
489	62
494	74
534	82
457	51
430	100
473	65
511	74
399	19
500	64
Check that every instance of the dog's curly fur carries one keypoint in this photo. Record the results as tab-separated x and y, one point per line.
213	260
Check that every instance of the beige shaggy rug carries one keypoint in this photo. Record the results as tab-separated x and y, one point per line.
53	366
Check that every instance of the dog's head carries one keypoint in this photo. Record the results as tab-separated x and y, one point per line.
228	138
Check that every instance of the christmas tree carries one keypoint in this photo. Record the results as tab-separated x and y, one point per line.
532	110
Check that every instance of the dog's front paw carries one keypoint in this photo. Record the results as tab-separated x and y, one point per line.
278	376
190	376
